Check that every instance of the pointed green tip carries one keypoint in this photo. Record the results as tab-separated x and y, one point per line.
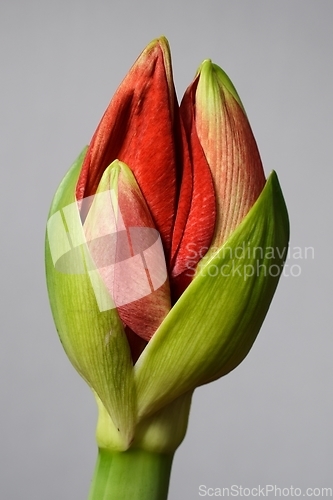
205	65
212	74
111	175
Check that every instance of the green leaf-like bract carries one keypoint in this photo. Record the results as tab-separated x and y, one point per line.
94	341
212	327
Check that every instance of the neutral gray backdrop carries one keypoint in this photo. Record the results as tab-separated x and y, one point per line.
269	421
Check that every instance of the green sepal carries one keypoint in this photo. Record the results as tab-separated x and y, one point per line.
212	327
93	339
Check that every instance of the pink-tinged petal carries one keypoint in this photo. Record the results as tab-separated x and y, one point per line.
138	129
230	148
127	251
196	211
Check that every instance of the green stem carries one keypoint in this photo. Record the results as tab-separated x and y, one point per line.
131	475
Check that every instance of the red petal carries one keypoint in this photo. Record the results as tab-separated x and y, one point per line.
185	193
138	129
200	217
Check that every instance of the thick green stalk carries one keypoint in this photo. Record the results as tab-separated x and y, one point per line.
131	475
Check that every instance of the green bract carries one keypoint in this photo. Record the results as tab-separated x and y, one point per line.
212	327
94	341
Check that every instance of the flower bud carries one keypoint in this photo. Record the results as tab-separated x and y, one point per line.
143	314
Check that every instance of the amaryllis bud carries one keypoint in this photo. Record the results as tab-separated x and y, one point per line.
144	314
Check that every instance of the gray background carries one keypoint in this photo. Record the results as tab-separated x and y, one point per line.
269	421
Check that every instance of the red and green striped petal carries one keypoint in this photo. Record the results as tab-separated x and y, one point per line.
229	145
